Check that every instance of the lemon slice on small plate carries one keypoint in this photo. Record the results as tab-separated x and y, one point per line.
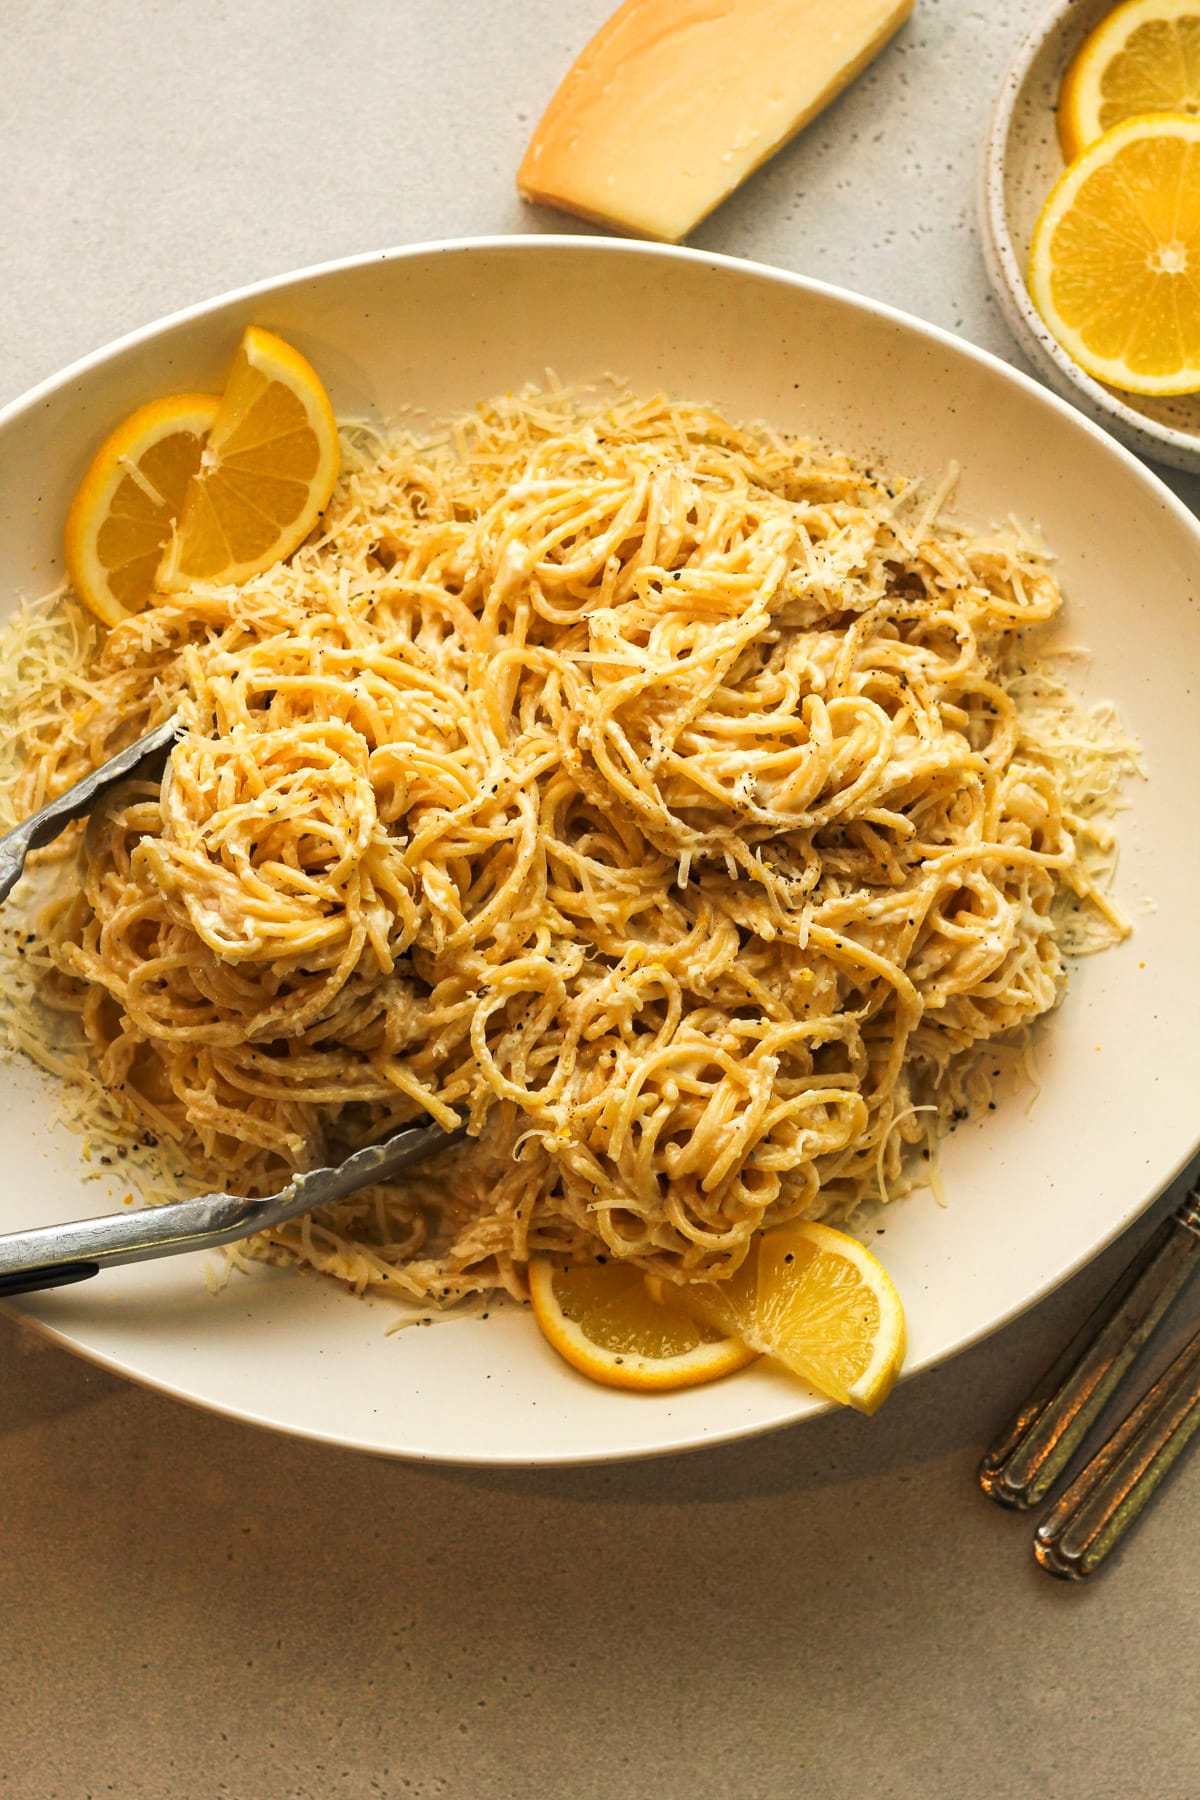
1114	268
1144	57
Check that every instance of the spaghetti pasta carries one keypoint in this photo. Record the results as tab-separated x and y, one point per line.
653	790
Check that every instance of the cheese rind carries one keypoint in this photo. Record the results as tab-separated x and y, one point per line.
674	102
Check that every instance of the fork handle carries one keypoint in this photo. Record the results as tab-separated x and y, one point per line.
1028	1457
1101	1504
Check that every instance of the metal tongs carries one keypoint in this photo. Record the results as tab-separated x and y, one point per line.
55	1255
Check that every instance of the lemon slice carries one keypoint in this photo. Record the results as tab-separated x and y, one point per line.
267	472
1115	264
602	1320
818	1301
1143	58
121	516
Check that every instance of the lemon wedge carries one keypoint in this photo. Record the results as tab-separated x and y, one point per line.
816	1300
120	519
1143	58
267	472
1114	268
602	1320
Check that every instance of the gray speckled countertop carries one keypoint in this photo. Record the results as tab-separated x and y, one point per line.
190	1608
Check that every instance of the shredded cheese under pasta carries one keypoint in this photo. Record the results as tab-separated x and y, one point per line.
671	798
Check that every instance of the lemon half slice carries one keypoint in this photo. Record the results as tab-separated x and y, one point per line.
818	1301
601	1319
1114	268
268	469
1143	58
122	513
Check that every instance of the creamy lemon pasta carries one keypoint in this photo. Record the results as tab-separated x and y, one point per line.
672	800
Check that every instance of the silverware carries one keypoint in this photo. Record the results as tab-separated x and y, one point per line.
1028	1457
1095	1512
54	1255
147	756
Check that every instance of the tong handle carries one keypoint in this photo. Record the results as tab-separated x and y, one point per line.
1028	1457
1087	1523
33	1281
47	1255
146	756
52	1255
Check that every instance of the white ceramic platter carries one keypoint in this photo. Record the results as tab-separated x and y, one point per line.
1032	1193
1021	163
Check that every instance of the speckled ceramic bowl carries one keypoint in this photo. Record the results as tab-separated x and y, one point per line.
1021	163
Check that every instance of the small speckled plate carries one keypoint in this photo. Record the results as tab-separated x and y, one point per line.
1032	1190
1022	161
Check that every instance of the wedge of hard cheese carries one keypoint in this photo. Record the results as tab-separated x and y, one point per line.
674	102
